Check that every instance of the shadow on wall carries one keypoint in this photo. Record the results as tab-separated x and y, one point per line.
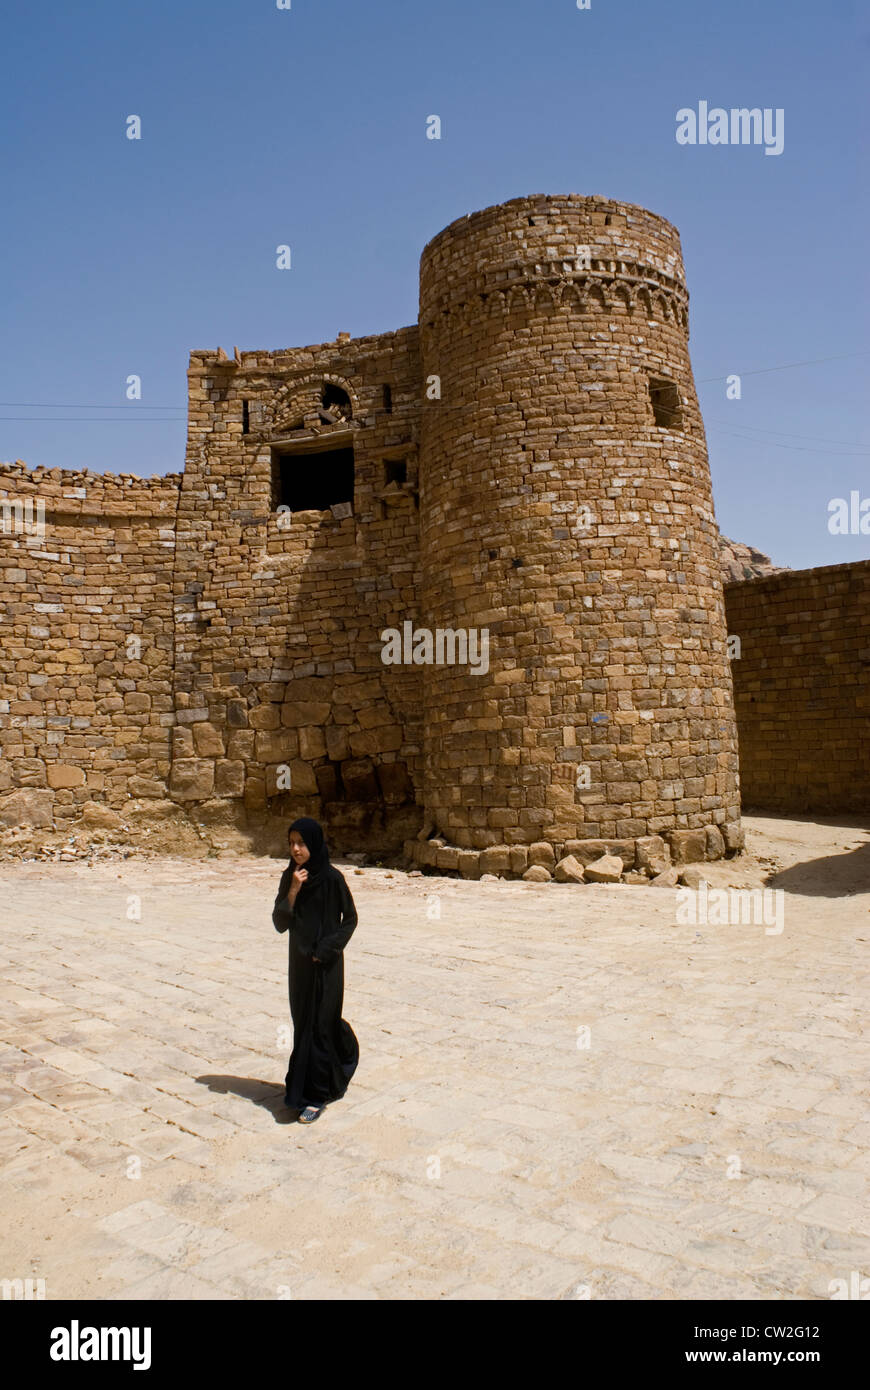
341	735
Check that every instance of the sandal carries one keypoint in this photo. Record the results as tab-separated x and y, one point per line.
309	1114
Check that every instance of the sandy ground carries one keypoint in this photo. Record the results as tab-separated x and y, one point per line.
563	1092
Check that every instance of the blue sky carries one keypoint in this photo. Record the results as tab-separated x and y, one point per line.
307	127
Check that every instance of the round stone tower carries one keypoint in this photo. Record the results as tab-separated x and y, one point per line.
566	511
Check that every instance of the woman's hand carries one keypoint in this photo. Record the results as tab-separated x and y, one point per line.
299	877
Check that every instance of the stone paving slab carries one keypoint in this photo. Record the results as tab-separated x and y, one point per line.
710	1141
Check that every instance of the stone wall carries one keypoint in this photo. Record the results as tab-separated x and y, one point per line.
199	657
180	656
86	654
802	688
278	616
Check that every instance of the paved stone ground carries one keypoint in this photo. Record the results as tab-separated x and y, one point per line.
479	1152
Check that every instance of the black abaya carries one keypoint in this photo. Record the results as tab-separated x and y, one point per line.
325	1049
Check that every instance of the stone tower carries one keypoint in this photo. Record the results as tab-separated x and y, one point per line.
566	507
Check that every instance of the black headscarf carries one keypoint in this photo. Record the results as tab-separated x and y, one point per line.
318	864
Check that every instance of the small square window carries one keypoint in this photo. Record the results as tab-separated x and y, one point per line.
665	398
395	471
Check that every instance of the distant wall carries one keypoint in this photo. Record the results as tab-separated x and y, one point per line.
86	642
802	688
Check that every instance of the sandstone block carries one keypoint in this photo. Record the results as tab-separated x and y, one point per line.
537	874
64	775
182	742
237	714
311	743
297	713
447	858
192	779
715	844
688	846
30	772
519	858
26	807
337	746
542	853
264	717
495	860
187	716
607	869
691	877
587	851
652	853
146	787
569	870
99	817
429	852
302	778
276	746
240	745
668	879
229	777
734	836
207	741
468	863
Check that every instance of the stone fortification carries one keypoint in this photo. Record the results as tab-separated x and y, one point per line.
201	657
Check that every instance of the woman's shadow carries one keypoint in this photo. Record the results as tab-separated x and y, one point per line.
836	876
263	1093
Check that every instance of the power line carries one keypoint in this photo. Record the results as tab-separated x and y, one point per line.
92	420
56	405
786	434
786	366
794	448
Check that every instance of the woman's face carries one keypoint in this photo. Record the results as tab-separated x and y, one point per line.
299	851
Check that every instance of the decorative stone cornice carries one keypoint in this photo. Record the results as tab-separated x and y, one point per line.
560	285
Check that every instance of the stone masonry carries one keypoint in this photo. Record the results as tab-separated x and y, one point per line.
202	654
802	688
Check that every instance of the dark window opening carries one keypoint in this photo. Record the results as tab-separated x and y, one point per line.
665	399
309	481
607	220
531	221
395	471
246	419
388	399
334	404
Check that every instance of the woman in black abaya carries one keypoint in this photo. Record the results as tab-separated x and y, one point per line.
315	904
